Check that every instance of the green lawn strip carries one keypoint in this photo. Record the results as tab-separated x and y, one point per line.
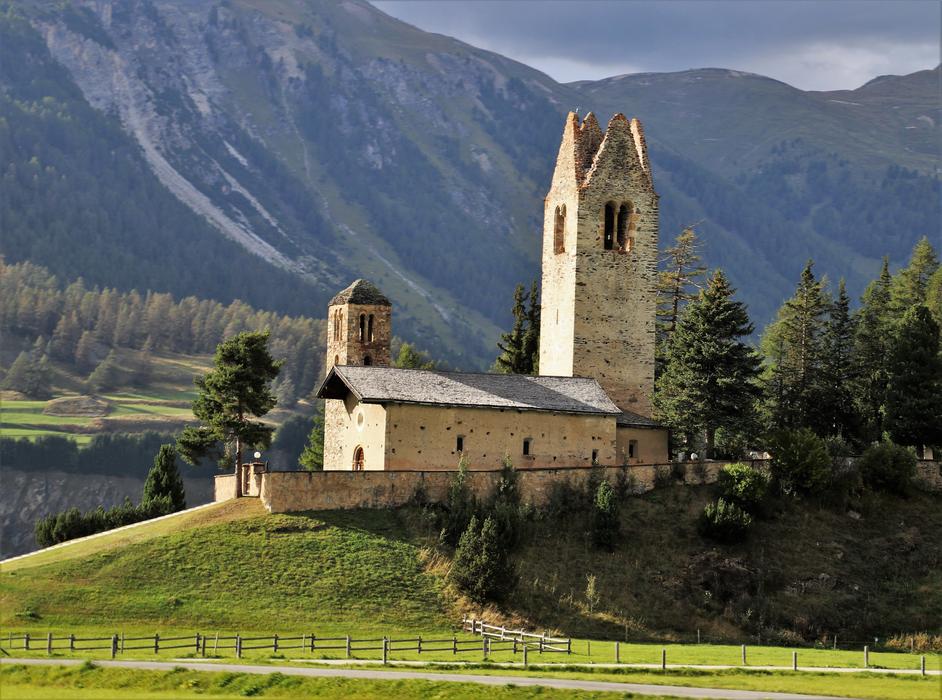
33	433
92	682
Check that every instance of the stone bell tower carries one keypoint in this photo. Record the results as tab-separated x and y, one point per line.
600	228
359	327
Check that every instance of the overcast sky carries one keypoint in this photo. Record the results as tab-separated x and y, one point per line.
814	45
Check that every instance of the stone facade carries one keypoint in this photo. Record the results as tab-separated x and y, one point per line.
600	236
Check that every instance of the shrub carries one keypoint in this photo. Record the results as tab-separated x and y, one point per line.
163	479
745	486
887	467
724	521
481	568
72	523
505	508
460	506
605	525
800	461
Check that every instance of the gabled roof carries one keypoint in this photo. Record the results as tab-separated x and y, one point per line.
468	389
361	292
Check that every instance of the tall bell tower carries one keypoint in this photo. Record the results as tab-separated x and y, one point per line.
359	327
600	228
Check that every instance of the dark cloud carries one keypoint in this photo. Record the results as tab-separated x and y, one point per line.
810	44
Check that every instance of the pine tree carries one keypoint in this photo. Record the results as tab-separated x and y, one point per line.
410	358
793	348
237	389
871	350
481	568
910	285
65	337
677	282
934	295
914	390
85	351
838	410
312	457
512	358
605	525
106	375
709	380
163	480
531	338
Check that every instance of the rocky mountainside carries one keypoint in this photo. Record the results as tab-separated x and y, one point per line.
305	144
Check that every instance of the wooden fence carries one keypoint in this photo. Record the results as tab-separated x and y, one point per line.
518	637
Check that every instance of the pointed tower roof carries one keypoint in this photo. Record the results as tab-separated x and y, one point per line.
361	292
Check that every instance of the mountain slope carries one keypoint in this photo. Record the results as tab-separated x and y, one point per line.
335	142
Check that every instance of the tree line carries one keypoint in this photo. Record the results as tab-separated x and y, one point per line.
79	325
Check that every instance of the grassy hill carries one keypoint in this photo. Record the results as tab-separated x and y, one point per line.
805	573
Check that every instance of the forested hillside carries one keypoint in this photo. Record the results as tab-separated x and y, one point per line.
153	142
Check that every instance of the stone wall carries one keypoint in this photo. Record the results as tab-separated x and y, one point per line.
283	492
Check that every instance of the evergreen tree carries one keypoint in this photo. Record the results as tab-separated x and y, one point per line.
107	375
838	410
85	351
934	295
236	390
65	337
793	348
531	338
914	390
874	331
410	358
677	281
163	480
709	381
27	376
312	457
481	568
911	284
513	357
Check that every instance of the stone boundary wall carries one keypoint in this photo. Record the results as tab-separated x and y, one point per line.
283	492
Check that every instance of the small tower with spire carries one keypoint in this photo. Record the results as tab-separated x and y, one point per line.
359	327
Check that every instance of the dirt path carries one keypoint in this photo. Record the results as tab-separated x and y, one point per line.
528	681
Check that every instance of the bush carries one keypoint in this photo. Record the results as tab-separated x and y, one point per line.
481	568
800	461
887	467
72	523
605	524
505	508
460	507
745	486
724	521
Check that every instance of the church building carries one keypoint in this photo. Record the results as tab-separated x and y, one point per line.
591	403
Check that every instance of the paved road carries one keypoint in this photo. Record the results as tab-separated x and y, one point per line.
558	683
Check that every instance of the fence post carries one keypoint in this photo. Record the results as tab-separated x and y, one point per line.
794	661
454	645
204	646
275	644
49	643
348	646
588	647
866	656
912	645
835	641
197	642
156	642
385	649
238	646
216	643
663	659
515	646
312	642
541	646
525	655
420	643
922	665
617	655
114	645
698	635
26	641
122	642
743	654
71	642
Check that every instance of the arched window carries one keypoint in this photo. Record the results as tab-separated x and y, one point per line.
559	230
609	236
336	359
367	360
624	216
369	330
362	327
358	459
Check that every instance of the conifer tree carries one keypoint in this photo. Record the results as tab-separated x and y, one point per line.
793	348
605	524
873	336
312	457
910	285
520	347
85	351
531	338
482	568
411	358
163	480
914	389
677	283
838	410
934	295
710	377
105	376
235	391
28	376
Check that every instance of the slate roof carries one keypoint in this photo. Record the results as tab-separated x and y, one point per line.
628	419
361	292
435	388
